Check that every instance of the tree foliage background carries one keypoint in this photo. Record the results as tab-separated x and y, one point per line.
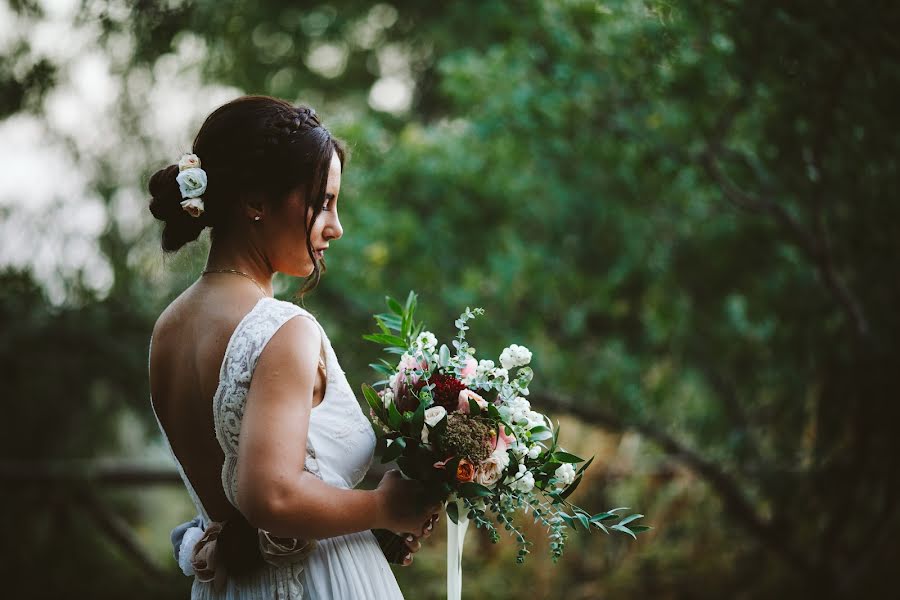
686	209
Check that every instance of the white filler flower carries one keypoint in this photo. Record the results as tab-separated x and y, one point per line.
515	356
565	475
427	341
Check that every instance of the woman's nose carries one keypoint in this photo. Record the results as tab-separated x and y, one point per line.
334	230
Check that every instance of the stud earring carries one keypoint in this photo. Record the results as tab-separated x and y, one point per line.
256	218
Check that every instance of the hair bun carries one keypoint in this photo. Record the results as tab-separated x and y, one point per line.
166	196
165	204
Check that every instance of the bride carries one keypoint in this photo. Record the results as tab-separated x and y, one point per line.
266	432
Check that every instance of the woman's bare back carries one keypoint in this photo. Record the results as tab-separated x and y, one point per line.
189	342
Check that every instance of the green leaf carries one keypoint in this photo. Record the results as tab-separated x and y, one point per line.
566	457
623	529
452	511
394	306
474	490
393	322
395	419
570	520
640	528
584	467
540	432
583	519
474	408
629	519
444	356
373	400
393	451
382	369
565	493
603	517
418	419
385	339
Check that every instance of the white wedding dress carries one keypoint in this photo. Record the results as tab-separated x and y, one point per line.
340	447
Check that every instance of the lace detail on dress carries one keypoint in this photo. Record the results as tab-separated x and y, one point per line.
241	356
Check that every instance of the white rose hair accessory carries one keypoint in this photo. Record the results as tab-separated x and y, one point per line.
192	183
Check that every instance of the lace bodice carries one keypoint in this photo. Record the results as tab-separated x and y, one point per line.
340	441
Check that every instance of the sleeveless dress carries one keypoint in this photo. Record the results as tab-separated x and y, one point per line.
339	450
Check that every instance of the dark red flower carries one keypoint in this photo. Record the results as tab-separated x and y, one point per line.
445	391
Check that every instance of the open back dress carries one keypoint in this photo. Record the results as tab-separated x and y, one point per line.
339	450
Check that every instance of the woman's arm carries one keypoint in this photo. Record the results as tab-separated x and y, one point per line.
274	492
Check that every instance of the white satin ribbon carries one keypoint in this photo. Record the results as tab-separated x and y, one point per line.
456	534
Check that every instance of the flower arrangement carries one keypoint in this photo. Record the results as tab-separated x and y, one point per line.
192	182
465	428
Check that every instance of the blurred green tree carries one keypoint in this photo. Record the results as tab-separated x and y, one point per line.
682	207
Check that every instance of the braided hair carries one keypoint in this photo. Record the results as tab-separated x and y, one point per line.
253	145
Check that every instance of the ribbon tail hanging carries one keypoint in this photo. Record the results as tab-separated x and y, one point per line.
456	533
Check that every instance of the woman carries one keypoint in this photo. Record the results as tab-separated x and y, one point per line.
248	392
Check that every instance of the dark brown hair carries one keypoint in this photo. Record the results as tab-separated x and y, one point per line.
252	146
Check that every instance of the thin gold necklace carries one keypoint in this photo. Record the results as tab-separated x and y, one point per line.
236	272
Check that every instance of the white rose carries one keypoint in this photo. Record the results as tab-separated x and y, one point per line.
515	356
433	416
189	161
186	550
192	182
193	206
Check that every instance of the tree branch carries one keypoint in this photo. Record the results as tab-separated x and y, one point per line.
815	244
728	490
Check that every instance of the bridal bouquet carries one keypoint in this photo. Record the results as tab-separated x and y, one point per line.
464	427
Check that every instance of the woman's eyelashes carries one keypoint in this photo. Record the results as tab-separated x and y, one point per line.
329	198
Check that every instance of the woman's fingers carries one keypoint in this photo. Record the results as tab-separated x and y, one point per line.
412	543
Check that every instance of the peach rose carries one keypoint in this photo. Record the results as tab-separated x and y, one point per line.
468	369
465	471
490	470
280	551
442	464
464	396
203	558
503	442
189	161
